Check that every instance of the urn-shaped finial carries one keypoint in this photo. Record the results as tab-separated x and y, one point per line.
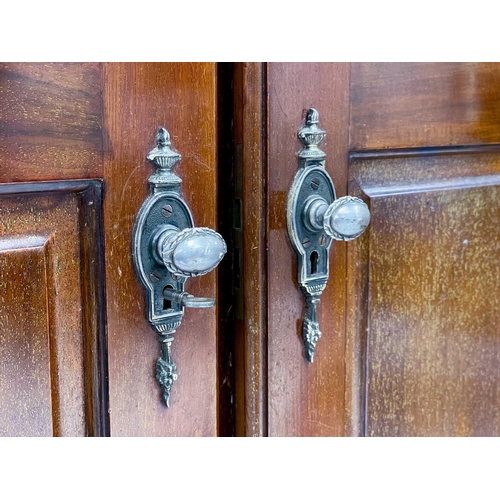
164	158
311	136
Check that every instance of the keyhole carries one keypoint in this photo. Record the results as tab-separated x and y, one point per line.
314	262
167	304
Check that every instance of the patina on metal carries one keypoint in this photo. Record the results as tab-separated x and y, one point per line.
314	218
167	249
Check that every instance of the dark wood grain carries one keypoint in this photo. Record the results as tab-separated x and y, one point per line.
425	302
250	135
46	342
94	308
25	378
50	121
51	129
410	341
400	105
304	399
138	99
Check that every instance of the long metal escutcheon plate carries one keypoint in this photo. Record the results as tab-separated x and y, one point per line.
166	250
314	218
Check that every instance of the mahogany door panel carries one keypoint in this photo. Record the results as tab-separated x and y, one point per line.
422	343
51	130
304	398
51	331
51	121
73	121
293	397
410	314
402	105
427	283
24	337
138	99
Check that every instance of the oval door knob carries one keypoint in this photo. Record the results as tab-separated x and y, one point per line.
346	218
192	251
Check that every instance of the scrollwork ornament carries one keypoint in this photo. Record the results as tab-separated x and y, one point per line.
166	370
166	375
310	334
310	327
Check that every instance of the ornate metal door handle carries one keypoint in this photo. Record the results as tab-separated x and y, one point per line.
167	249
314	218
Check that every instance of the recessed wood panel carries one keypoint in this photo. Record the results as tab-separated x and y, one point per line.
402	105
50	362
50	121
25	395
305	399
425	283
139	98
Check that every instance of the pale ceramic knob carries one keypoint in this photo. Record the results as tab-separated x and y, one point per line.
191	252
345	219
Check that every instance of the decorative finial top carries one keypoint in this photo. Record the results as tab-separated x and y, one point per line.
311	136
312	116
164	158
162	137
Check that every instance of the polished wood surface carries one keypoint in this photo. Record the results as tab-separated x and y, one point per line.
409	317
138	99
90	120
410	344
399	105
304	399
49	378
431	278
51	129
24	342
51	121
250	81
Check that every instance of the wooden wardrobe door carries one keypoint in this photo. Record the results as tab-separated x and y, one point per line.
138	99
279	393
424	342
52	338
74	140
410	314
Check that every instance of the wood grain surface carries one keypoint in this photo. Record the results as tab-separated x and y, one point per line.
138	99
401	105
52	127
50	121
251	333
48	378
304	399
410	314
25	378
427	271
